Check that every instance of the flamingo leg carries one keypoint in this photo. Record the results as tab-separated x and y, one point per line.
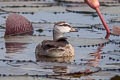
103	21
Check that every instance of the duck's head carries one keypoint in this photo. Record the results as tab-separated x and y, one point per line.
63	27
60	28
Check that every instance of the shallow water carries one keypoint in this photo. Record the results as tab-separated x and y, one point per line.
95	53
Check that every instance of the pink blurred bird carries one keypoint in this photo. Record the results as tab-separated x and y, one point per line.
95	5
116	30
17	24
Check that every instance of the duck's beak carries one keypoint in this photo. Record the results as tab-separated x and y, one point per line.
73	30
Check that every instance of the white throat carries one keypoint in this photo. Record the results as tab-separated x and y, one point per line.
57	35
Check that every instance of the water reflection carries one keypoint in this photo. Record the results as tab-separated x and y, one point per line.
14	47
97	55
60	69
13	44
17	47
21	34
49	59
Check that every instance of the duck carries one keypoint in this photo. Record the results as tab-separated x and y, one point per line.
59	46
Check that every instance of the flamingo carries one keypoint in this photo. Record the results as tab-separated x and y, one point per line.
95	5
17	24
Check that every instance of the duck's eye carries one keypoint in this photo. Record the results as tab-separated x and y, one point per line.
64	25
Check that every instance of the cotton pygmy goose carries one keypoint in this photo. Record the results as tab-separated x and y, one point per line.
59	46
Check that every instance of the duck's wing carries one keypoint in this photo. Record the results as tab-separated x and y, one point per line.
62	39
47	44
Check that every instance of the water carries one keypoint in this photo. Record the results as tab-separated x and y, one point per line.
94	54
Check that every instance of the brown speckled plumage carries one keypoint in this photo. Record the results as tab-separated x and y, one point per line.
54	49
59	46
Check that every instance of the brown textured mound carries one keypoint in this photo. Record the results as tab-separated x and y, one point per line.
17	24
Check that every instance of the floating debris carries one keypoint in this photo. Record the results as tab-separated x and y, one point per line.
85	9
32	10
111	10
116	19
87	42
39	30
71	1
105	2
